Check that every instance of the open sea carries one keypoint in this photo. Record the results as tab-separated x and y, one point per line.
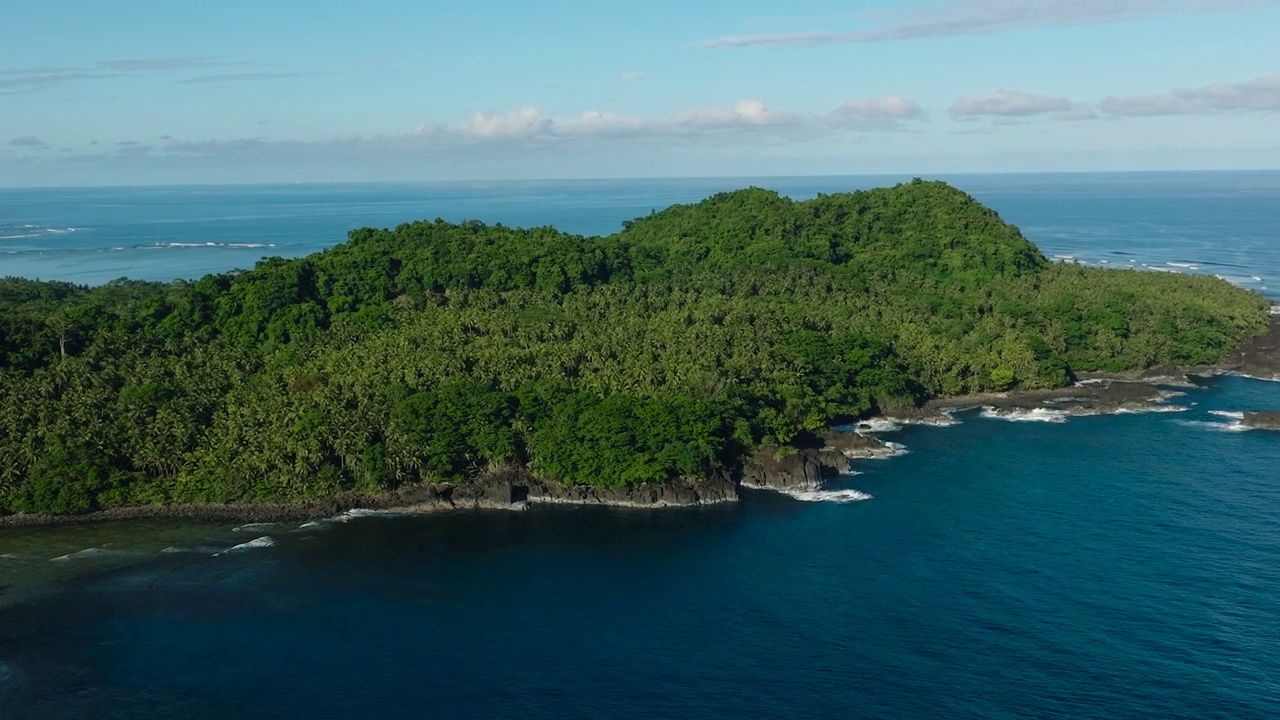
1124	566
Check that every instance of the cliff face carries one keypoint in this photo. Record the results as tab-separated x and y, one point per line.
803	470
516	488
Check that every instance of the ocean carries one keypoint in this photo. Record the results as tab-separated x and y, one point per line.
1123	566
1218	223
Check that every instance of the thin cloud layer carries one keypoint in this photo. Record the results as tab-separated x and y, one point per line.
162	64
242	77
529	123
1009	104
528	128
983	17
892	112
1257	95
37	78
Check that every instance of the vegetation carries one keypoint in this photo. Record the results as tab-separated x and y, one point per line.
673	348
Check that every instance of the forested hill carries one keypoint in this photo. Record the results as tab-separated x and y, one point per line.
671	349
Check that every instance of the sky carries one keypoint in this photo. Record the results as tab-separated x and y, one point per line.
159	92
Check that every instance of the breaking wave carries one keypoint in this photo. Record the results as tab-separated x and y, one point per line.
263	542
86	554
1235	426
254	527
842	497
895	450
1150	409
1033	415
350	515
878	425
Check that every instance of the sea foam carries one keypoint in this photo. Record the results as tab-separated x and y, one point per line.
842	497
1236	426
263	542
1033	415
1151	409
355	513
254	527
86	554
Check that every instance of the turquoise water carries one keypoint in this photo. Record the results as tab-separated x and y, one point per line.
1106	567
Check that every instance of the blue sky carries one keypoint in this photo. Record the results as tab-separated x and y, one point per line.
151	92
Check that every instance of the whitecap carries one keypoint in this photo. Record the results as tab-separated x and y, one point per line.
1033	415
262	542
311	524
1216	426
842	497
894	450
254	527
85	554
1227	414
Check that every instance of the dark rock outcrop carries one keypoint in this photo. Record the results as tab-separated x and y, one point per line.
793	470
852	445
790	470
1259	356
1098	397
516	488
1261	420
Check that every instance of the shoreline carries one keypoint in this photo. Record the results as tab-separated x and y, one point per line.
516	488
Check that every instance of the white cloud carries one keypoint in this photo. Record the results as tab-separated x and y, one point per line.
747	113
887	113
522	122
1257	95
530	123
528	130
981	17
632	77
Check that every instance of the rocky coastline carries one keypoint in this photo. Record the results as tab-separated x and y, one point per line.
772	468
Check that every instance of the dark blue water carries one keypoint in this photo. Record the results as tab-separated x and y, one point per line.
1218	223
1108	567
1124	566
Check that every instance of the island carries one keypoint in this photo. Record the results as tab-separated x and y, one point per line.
701	349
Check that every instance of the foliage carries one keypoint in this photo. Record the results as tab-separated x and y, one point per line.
672	348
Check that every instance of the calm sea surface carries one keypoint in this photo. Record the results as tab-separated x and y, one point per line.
1107	567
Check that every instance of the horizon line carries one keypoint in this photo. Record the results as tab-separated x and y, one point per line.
635	178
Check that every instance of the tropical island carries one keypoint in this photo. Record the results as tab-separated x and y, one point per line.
701	347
